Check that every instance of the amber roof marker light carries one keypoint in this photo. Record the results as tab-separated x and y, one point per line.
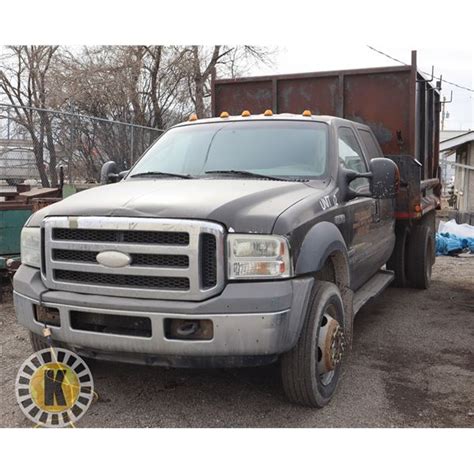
268	113
245	113
307	113
224	114
192	117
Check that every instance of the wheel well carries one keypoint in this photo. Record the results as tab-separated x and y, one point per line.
429	220
335	270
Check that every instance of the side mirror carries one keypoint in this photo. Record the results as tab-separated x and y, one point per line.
384	179
109	173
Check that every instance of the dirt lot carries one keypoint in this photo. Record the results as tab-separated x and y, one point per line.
412	364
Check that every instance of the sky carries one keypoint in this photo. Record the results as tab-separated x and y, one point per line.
454	64
314	35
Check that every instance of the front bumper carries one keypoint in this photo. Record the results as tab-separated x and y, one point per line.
252	322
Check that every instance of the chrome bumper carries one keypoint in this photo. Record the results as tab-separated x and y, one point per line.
234	334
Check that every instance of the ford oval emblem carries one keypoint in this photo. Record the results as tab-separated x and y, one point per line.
113	259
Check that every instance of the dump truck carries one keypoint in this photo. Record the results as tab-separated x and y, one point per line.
249	238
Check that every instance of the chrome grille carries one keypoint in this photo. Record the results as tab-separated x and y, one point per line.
208	261
63	255
132	281
169	258
140	237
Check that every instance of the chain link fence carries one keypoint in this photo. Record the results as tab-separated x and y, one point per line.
34	143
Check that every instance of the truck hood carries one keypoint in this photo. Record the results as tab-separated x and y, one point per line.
245	205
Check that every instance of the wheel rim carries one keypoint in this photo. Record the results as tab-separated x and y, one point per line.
331	345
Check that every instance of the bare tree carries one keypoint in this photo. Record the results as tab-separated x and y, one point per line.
244	59
24	81
203	67
149	86
136	84
205	63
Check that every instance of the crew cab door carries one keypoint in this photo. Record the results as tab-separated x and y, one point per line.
385	216
362	223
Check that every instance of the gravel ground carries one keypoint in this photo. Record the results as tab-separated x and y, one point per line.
412	365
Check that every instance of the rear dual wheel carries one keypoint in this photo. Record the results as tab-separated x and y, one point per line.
413	257
420	257
312	369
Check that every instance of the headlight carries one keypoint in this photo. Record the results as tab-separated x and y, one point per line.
31	246
258	256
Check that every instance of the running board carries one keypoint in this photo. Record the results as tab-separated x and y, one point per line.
372	288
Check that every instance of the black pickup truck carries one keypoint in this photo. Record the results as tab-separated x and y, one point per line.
234	241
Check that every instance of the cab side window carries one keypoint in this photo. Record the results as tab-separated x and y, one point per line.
371	145
351	157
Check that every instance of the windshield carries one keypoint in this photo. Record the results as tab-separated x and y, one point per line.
274	148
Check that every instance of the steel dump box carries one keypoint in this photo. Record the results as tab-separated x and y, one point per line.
398	103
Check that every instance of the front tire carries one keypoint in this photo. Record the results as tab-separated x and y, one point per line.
311	370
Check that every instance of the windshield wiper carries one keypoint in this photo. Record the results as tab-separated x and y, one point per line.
247	173
161	173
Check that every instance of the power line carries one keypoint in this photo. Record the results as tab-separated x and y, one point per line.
74	114
405	64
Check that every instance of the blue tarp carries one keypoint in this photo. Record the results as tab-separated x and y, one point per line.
447	243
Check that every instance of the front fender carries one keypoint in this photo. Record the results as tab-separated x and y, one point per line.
322	240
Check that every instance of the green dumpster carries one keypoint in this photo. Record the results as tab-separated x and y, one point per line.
11	223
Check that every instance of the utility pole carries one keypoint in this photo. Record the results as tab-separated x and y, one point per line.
443	110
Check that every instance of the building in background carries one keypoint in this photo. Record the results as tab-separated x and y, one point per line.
448	158
457	152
